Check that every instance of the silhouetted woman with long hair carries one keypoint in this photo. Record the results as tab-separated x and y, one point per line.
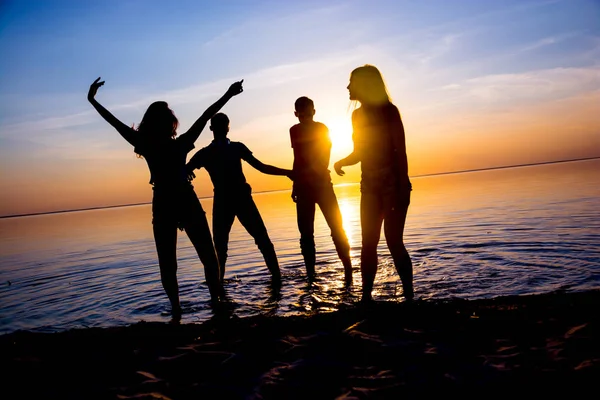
174	202
379	145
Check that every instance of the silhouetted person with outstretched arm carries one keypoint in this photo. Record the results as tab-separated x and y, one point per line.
379	145
312	186
232	194
174	202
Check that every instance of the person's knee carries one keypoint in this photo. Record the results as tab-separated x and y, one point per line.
306	232
221	247
167	257
369	244
369	251
307	241
261	238
402	255
265	245
206	253
221	242
221	255
168	274
397	247
368	257
340	238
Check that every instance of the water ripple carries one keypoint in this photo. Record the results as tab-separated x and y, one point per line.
511	234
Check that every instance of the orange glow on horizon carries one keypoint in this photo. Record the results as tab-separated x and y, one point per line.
450	140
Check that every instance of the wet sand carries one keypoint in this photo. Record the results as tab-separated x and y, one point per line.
543	345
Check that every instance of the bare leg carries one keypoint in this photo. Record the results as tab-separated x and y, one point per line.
250	218
199	234
165	237
395	219
305	215
223	217
371	218
331	211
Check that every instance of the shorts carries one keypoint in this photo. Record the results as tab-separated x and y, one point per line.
176	207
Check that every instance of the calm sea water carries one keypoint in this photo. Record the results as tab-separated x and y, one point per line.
514	231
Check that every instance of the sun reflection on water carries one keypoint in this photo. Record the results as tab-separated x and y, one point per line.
350	216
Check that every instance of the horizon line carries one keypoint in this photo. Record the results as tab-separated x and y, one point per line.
281	190
506	166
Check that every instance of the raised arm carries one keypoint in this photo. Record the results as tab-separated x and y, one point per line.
194	132
268	169
125	131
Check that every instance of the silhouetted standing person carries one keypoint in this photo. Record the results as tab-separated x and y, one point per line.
312	186
174	202
232	194
379	145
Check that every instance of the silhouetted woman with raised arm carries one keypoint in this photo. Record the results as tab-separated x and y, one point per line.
379	145
174	202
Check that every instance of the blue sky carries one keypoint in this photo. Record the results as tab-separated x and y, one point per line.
479	83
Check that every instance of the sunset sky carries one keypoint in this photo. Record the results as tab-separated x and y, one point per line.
479	83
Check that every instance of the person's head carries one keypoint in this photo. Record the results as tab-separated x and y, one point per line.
304	109
367	86
159	121
219	125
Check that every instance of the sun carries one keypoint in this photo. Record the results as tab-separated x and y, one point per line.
340	132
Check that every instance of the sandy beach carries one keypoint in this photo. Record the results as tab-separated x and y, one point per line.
543	344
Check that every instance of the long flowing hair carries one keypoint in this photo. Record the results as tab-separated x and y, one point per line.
159	122
369	86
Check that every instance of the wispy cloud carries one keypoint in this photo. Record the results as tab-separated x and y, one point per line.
438	47
52	123
542	84
476	22
502	91
283	24
547	41
260	79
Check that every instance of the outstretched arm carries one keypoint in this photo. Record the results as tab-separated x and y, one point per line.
352	159
194	132
125	131
268	169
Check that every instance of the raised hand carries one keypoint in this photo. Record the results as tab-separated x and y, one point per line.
236	88
338	169
94	88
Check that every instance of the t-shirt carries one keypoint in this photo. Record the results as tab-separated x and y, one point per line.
166	159
312	149
223	161
378	136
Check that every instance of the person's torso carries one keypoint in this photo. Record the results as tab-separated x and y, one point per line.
383	159
166	161
312	148
223	161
